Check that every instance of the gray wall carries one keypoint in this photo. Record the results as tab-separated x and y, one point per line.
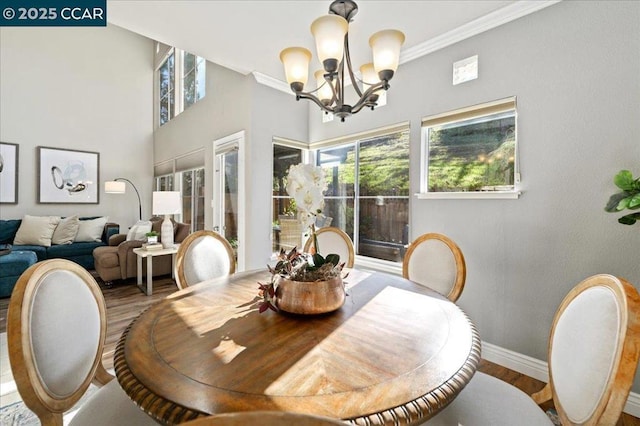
575	69
79	88
235	102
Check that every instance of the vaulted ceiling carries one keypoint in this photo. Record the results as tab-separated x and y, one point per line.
247	36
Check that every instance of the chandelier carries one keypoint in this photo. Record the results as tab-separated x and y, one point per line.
331	33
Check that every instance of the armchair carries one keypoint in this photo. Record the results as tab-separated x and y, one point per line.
117	261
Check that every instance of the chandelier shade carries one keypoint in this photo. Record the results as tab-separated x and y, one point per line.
296	65
331	34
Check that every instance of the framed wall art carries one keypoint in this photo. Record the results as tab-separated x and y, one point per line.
68	176
8	173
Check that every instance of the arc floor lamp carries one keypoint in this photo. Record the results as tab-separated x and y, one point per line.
118	186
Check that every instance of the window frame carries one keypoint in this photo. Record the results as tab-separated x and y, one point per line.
179	75
460	115
355	139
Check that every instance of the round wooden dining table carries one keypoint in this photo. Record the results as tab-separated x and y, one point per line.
395	353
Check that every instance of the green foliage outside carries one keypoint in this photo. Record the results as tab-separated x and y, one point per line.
472	157
384	167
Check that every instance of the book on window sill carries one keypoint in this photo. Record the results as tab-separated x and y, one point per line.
152	246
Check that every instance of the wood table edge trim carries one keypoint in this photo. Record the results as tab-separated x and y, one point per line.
413	412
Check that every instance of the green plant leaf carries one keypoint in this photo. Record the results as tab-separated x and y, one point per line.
614	200
623	204
634	203
318	260
624	180
333	258
629	219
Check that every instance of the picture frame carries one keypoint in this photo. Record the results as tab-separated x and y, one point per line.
9	173
68	176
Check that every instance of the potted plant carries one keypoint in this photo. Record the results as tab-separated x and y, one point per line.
628	198
152	237
305	283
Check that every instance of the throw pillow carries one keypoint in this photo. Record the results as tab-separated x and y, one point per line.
66	230
138	232
91	230
36	230
8	229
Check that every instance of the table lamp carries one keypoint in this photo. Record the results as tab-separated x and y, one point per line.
166	203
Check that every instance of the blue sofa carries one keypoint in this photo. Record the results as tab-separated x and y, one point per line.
20	258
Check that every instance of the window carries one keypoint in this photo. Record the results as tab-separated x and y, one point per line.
368	192
286	231
181	82
193	81
167	89
192	189
472	150
164	183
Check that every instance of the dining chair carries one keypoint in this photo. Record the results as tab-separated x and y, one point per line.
334	240
593	356
202	256
264	418
56	330
435	261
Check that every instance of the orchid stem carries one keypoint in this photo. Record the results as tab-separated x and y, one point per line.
315	238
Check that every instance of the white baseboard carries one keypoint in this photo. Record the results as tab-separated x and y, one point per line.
538	370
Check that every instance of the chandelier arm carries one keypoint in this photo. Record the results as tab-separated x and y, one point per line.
328	78
347	56
306	95
340	85
365	96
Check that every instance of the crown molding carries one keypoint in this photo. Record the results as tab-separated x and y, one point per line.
274	83
492	20
475	27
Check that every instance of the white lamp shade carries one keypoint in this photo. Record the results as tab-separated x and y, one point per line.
113	187
166	202
296	64
369	76
329	32
386	46
325	93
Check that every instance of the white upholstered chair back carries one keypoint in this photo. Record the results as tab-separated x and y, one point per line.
56	331
593	350
332	240
202	256
435	261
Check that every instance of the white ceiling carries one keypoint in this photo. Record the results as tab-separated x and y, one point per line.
247	36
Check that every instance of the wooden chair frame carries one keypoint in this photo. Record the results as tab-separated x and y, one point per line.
348	262
47	406
181	280
617	390
461	268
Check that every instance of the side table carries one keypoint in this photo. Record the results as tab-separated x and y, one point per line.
150	254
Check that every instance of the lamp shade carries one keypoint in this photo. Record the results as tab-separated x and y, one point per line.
296	64
329	32
369	76
113	187
386	46
166	202
325	93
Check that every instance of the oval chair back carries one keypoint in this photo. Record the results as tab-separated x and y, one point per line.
596	330
593	356
56	329
202	256
435	261
334	240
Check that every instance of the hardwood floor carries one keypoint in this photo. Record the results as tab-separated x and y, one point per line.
125	302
